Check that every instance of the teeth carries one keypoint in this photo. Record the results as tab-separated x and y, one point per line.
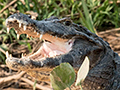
16	31
10	55
18	36
27	36
6	22
37	33
8	30
22	55
24	27
7	54
19	24
41	36
34	31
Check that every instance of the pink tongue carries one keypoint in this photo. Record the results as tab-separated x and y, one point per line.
50	50
54	53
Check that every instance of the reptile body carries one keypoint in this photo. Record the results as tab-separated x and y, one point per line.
65	41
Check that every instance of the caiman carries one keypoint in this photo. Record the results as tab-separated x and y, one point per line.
65	41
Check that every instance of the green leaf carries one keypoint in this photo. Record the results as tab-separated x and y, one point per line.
72	1
83	71
62	76
27	4
87	19
29	47
34	86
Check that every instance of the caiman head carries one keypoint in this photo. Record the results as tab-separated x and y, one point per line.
63	41
57	40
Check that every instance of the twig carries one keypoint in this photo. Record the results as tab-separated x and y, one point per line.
37	85
26	85
6	80
107	31
8	5
2	50
69	15
117	38
111	2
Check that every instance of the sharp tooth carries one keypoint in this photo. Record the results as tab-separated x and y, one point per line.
37	33
18	36
41	36
34	31
27	36
7	54
16	31
24	27
10	55
8	30
22	55
19	24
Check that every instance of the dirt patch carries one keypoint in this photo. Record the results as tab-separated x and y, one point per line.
113	38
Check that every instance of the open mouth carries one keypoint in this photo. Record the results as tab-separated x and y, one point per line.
52	46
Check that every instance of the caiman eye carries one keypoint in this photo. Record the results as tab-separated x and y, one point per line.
68	23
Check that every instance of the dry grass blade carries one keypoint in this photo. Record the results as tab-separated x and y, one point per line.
37	85
8	5
6	80
112	30
2	51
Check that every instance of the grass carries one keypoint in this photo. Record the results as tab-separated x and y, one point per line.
93	14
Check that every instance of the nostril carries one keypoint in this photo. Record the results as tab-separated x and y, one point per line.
15	21
68	23
10	22
29	16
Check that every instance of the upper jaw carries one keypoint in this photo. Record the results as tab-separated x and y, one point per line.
27	25
21	18
22	24
34	29
39	29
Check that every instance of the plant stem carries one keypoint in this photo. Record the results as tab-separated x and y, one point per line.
69	88
81	87
34	86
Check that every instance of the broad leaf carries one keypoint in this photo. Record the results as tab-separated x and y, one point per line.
83	71
62	76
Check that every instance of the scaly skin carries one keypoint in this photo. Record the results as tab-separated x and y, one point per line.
104	71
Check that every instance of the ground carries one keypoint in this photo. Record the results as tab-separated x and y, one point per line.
14	80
